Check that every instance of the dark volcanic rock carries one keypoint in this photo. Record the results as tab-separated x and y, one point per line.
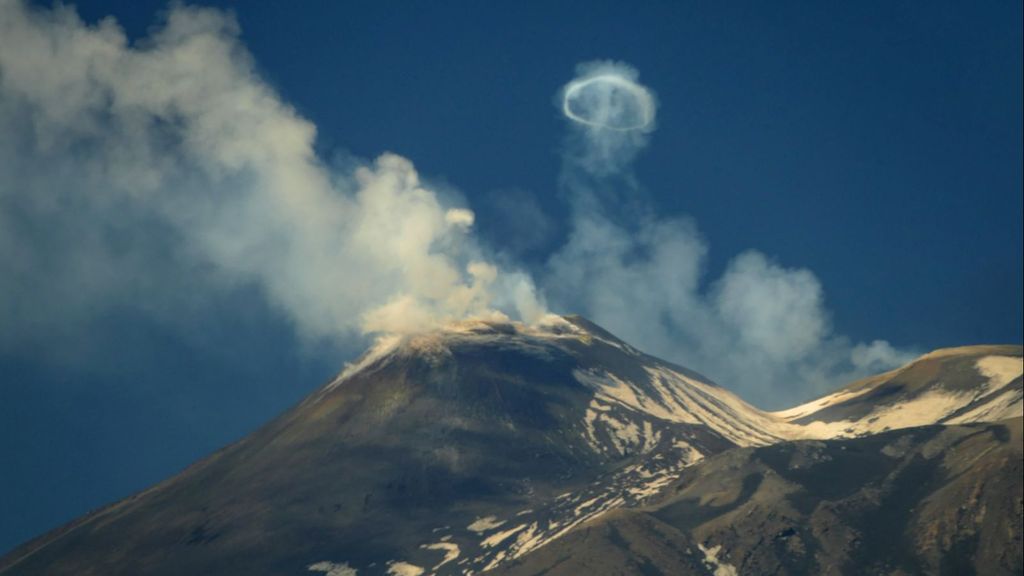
931	500
396	459
559	449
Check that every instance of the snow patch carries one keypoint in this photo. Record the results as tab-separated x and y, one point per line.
936	406
650	437
929	408
670	396
690	455
1000	370
332	568
484	524
1008	404
652	487
527	540
497	538
383	346
713	563
451	552
813	406
404	569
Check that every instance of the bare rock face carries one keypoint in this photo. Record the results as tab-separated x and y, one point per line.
557	448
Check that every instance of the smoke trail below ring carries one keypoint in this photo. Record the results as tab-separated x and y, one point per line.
761	328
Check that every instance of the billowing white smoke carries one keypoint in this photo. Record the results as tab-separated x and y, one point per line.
761	328
126	167
149	176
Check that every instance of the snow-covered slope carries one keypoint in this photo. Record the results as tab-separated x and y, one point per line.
949	386
631	390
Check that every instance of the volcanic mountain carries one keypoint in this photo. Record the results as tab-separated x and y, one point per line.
554	448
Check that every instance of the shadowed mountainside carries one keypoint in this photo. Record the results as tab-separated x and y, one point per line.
490	445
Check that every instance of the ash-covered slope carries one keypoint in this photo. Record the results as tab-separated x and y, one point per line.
926	500
948	386
450	451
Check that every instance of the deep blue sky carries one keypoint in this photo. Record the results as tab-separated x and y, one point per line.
878	144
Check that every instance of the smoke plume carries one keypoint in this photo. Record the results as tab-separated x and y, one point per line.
150	175
146	175
761	328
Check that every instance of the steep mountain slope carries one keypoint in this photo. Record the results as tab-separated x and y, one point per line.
935	500
949	386
489	444
449	451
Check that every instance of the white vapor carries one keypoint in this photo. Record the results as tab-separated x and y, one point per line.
148	176
612	114
131	173
761	328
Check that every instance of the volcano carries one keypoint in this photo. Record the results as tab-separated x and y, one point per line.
493	446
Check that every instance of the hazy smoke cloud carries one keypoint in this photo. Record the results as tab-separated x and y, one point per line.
760	328
133	173
149	176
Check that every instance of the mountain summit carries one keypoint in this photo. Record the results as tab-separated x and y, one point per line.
486	445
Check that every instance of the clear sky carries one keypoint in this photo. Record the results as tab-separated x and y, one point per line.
870	152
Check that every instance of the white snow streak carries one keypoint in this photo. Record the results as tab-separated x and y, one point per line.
484	524
404	569
451	552
332	569
712	562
